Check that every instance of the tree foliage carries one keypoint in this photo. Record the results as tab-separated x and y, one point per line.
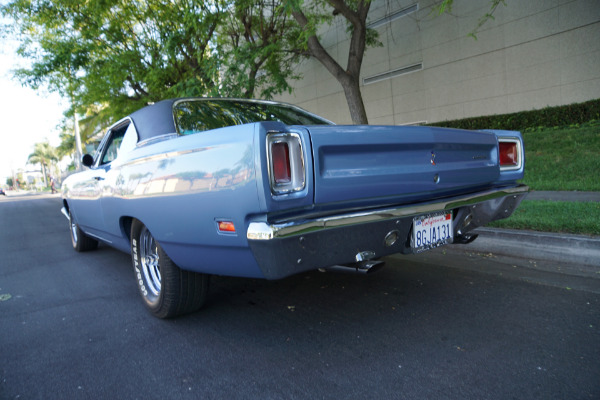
114	56
258	43
445	6
111	57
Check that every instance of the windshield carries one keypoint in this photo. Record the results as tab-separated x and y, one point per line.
192	116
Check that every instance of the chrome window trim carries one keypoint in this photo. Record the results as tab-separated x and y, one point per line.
102	147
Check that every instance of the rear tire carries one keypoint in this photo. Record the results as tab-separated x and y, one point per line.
167	290
80	241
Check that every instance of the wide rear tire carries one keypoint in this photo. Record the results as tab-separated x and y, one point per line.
167	290
80	241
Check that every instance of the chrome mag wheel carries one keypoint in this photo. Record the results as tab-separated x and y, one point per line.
149	260
74	229
81	242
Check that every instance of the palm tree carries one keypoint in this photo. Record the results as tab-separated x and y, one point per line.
45	155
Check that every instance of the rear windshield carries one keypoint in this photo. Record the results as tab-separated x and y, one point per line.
201	115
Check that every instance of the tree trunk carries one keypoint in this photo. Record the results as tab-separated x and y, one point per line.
44	174
356	106
349	78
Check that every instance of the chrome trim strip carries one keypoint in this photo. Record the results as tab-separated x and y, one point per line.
265	231
65	213
99	237
163	156
158	138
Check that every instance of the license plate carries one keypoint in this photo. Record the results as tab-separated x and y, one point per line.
431	231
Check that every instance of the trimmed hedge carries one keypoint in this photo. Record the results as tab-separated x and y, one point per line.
571	114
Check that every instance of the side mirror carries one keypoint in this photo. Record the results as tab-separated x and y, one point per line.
87	160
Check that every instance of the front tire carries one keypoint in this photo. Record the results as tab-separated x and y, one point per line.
81	242
167	290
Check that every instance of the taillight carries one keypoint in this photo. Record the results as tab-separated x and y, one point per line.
509	153
280	153
286	162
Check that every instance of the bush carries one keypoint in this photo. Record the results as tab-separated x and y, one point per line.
572	114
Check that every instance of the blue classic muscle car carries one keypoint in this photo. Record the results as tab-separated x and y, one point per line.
193	187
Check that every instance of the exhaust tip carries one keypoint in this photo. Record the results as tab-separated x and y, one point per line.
371	266
363	267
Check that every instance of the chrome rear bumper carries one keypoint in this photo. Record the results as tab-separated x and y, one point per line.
286	248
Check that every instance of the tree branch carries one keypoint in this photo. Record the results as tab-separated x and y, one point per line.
317	51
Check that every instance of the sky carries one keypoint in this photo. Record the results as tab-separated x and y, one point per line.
27	116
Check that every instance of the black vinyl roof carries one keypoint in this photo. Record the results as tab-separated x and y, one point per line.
154	120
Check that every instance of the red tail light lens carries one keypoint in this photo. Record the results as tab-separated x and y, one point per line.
280	152
509	154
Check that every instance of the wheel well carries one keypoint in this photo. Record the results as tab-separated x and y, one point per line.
126	227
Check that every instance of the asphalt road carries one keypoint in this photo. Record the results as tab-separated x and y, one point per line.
433	326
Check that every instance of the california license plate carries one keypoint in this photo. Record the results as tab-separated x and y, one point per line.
431	231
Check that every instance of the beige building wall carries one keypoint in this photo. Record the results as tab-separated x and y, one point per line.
533	54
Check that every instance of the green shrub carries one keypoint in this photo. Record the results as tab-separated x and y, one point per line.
569	115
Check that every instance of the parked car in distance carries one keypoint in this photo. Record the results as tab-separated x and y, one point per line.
2	192
193	187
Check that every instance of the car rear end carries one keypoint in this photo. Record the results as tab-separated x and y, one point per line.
349	194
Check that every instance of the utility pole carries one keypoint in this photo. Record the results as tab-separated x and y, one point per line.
79	152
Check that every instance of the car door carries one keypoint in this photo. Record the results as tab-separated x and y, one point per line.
93	186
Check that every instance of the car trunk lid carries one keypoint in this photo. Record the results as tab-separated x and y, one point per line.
400	163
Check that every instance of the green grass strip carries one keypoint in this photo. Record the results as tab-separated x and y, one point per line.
565	158
554	216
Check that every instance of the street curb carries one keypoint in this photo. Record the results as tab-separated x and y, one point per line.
565	196
557	247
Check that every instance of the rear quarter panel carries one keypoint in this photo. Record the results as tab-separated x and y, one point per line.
179	188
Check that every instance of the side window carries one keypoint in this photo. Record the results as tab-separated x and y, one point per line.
112	147
122	139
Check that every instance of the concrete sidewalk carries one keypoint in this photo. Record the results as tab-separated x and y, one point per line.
574	196
556	247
